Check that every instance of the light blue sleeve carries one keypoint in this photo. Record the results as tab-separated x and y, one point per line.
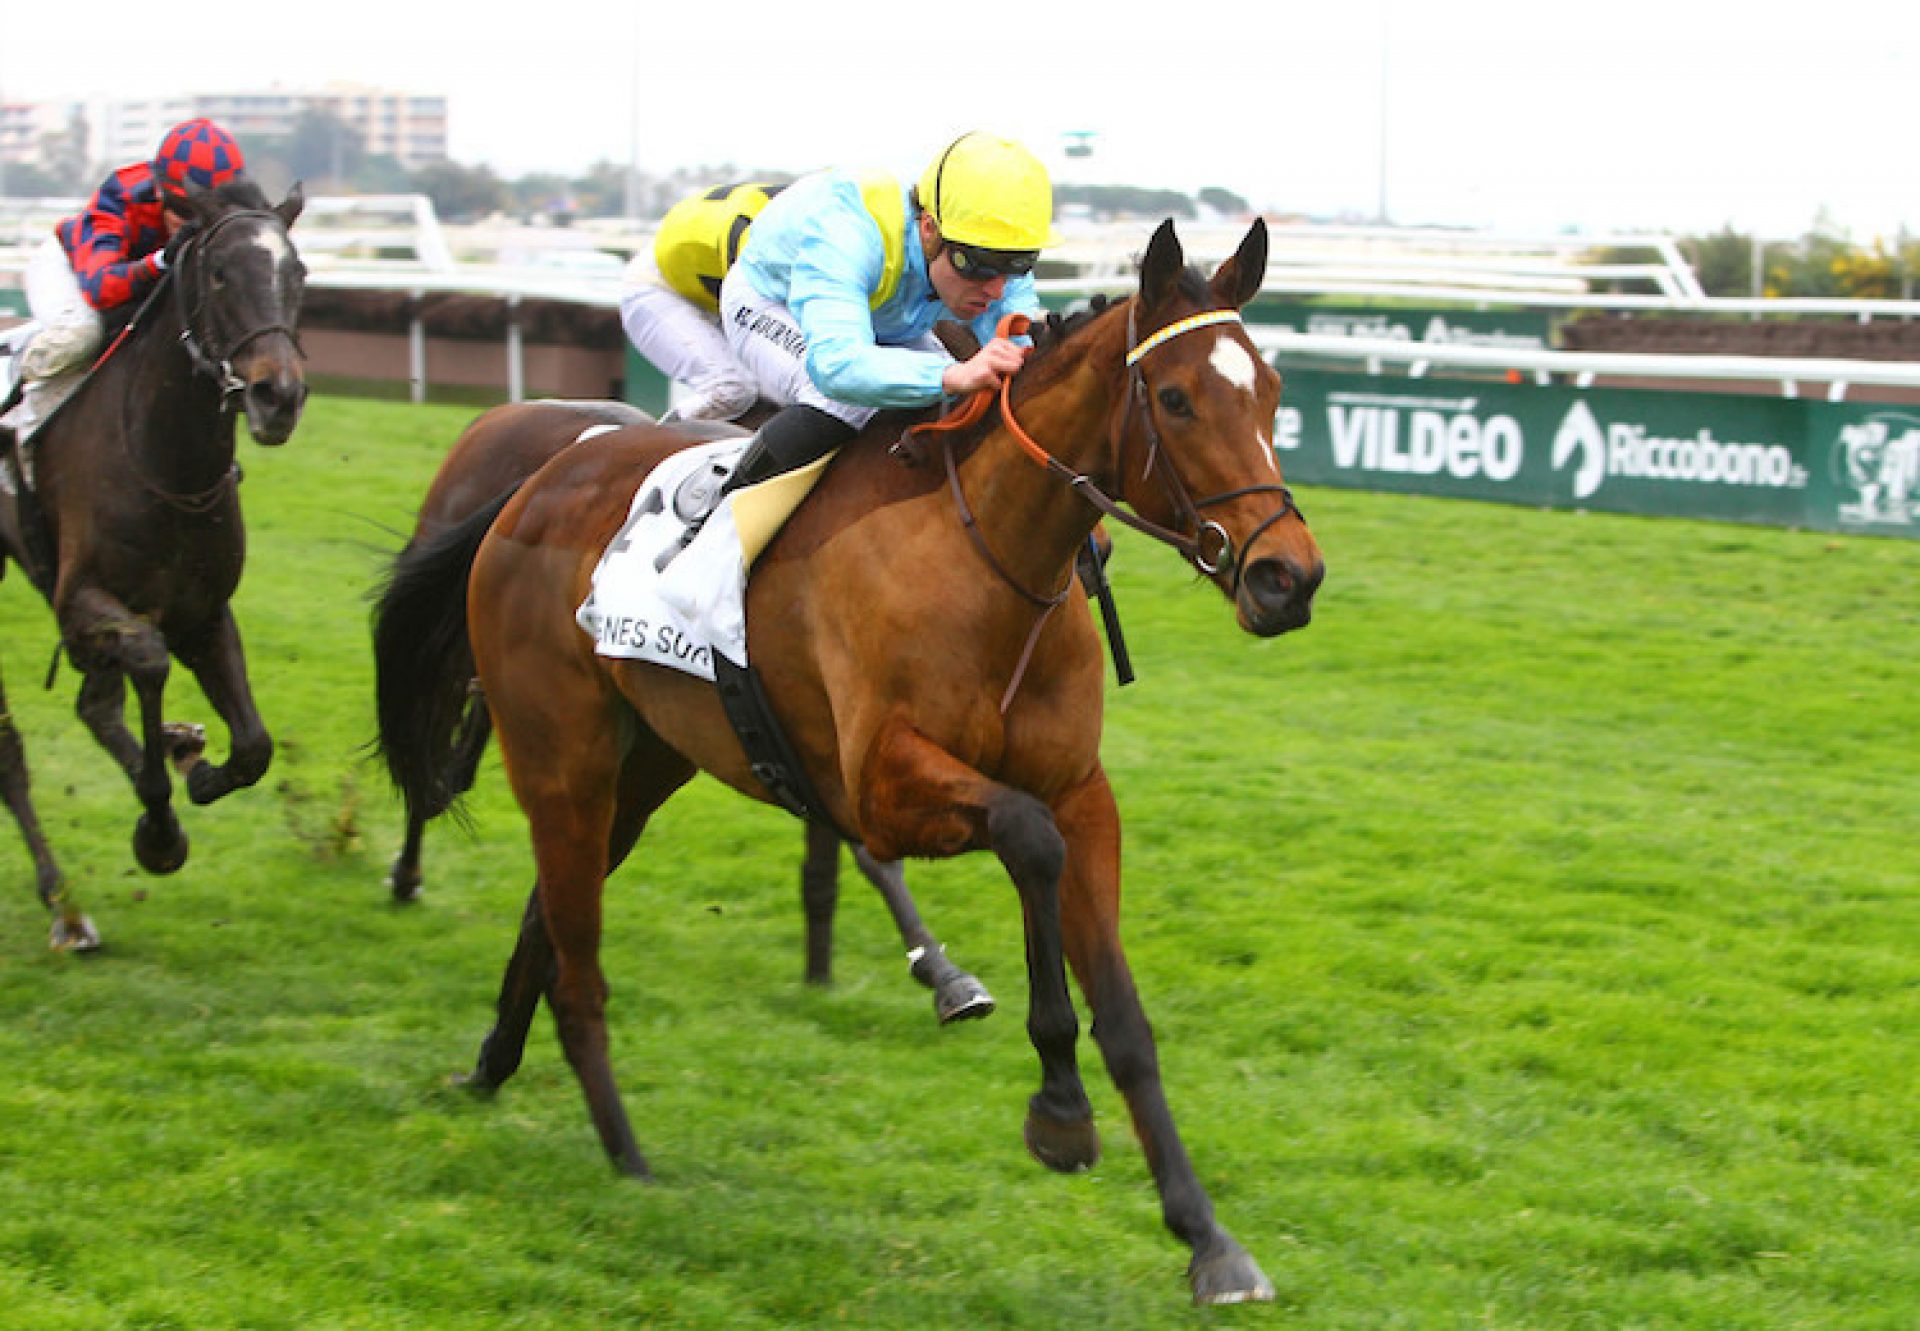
837	265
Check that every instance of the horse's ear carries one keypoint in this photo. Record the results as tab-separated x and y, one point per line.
1160	270
289	208
1238	280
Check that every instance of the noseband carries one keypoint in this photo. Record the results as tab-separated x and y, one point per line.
194	297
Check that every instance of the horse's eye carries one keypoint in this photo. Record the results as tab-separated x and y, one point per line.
217	275
1176	402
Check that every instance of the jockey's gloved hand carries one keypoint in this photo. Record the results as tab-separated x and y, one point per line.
177	243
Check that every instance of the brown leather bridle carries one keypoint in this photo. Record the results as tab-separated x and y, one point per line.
1200	541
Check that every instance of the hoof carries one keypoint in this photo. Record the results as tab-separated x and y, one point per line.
160	847
185	743
1228	1275
957	996
404	881
1065	1148
962	998
473	1084
74	933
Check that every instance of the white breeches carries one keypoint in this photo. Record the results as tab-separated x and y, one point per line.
766	338
683	342
70	329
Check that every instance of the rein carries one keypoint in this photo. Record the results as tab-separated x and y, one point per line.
1046	604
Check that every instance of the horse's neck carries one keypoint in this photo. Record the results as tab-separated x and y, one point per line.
1024	509
170	413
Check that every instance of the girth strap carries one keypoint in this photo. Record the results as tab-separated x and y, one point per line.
769	752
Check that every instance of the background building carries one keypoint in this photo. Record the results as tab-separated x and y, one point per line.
411	128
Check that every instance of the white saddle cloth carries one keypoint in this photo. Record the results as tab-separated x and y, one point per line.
13	345
626	613
681	615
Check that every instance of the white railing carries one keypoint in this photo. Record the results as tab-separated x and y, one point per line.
1582	368
339	225
1481	297
1434	267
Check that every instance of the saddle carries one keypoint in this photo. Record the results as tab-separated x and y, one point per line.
30	533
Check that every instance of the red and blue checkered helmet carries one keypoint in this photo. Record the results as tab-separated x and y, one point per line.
197	152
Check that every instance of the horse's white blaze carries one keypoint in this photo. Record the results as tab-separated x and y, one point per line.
275	244
1232	362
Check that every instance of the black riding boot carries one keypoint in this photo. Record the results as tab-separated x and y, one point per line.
792	438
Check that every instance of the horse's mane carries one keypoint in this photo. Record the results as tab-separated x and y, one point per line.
1056	329
240	192
1049	333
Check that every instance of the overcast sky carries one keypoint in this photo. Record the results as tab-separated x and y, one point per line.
1660	114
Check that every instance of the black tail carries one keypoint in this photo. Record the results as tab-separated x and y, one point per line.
423	662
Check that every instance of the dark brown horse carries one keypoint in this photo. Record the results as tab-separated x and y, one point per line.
900	623
493	456
132	530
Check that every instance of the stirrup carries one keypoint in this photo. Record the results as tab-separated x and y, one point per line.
695	523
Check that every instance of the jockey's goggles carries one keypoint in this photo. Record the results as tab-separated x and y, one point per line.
983	265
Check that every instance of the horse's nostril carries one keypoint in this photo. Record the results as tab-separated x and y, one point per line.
1270	580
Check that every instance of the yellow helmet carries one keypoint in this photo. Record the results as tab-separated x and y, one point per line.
991	193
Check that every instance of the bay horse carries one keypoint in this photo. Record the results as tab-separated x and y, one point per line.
911	628
496	453
132	527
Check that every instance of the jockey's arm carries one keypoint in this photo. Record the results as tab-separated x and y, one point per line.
831	282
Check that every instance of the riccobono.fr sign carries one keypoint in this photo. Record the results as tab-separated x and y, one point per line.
1843	467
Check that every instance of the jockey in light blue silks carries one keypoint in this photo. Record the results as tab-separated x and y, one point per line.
832	301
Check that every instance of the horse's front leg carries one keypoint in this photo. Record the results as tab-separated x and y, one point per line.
1221	1270
112	647
918	797
219	663
72	930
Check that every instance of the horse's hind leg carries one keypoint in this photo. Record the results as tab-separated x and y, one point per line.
404	877
219	662
819	897
1221	1270
72	930
476	728
530	971
957	996
529	975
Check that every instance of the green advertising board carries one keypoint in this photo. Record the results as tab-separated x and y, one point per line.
13	302
645	387
1531	329
1851	467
